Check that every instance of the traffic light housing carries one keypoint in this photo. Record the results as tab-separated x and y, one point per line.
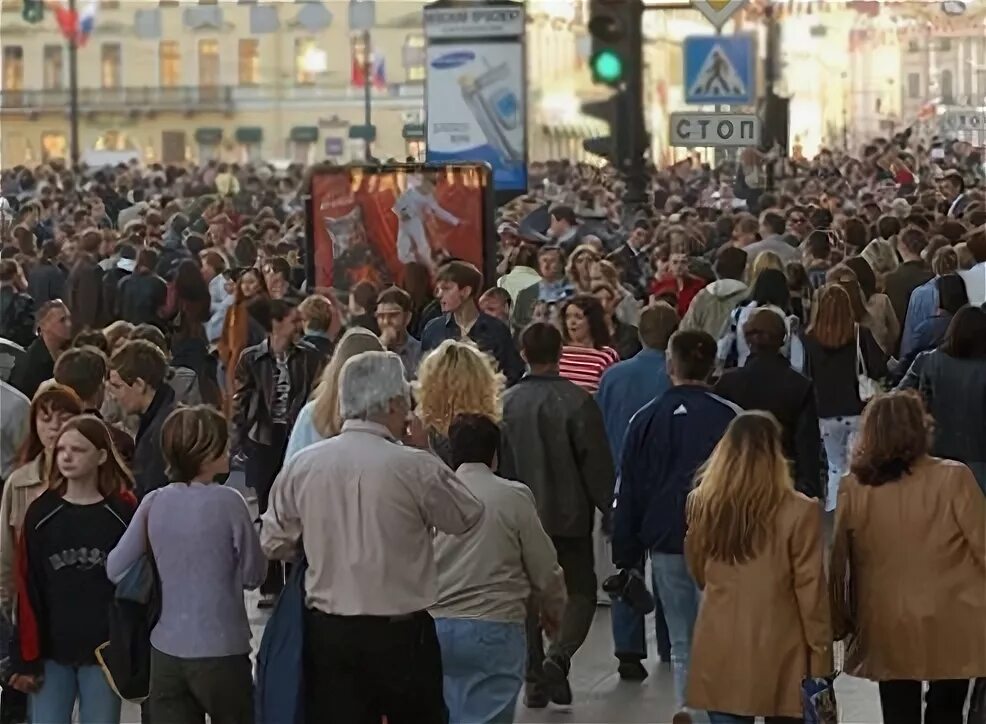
33	11
615	29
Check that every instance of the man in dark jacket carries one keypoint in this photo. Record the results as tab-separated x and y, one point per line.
273	382
137	382
84	287
666	443
38	363
767	382
16	307
555	443
911	274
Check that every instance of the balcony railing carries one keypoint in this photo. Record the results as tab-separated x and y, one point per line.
179	98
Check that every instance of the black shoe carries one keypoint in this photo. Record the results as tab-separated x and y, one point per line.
632	671
535	697
556	682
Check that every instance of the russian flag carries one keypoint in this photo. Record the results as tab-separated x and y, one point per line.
87	21
77	27
379	71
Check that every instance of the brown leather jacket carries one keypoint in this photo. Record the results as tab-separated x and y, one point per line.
908	575
764	624
255	379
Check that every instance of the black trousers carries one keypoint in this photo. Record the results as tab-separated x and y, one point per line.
577	561
361	668
901	701
185	690
263	463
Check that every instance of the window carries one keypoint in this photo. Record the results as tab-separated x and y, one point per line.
913	46
304	70
208	63
249	62
945	45
53	68
414	58
169	64
914	85
110	70
53	145
357	54
947	91
13	68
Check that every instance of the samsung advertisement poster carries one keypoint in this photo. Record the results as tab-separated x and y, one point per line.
476	105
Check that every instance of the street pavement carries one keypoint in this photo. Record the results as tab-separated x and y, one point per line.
599	695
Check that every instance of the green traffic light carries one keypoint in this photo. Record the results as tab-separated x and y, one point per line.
608	66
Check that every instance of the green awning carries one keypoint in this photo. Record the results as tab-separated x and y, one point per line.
249	134
363	132
209	136
304	134
414	131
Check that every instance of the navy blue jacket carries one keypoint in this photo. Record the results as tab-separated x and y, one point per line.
490	335
666	443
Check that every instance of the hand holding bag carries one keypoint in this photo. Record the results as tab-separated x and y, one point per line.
868	387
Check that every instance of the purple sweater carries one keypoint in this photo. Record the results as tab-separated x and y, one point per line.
207	552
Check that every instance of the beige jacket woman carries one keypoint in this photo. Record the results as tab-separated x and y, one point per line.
908	575
764	624
22	487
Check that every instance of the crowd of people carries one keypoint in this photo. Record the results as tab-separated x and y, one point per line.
754	406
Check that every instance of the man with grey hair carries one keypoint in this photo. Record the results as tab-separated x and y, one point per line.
363	505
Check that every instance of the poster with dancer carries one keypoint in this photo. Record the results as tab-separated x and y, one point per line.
368	223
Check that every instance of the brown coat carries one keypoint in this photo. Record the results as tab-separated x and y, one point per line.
908	575
764	624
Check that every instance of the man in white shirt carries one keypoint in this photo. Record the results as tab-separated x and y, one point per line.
363	505
975	278
484	580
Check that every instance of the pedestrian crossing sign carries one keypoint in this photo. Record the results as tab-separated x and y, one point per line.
720	69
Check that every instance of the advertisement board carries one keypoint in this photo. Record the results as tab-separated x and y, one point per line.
475	101
368	223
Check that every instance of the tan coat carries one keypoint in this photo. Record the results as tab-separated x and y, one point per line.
908	575
21	489
764	624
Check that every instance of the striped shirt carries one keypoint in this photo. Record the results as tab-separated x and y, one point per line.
584	365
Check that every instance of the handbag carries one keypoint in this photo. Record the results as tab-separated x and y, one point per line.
868	387
126	658
279	694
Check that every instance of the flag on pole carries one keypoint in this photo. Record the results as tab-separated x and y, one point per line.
87	21
357	73
76	27
379	71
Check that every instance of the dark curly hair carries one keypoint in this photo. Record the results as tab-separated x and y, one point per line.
595	316
895	432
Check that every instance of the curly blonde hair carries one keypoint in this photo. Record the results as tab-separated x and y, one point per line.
457	379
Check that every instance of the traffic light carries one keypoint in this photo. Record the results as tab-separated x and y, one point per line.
33	11
615	28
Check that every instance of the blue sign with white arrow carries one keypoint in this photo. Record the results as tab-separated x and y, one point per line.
720	69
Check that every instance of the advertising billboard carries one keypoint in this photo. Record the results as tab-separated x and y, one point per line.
478	89
367	223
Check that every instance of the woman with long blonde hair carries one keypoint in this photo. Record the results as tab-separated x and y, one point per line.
579	267
456	379
764	260
319	418
754	546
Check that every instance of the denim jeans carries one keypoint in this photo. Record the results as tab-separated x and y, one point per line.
482	668
718	717
53	704
838	436
629	638
680	597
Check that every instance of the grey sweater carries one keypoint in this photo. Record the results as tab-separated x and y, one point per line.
207	552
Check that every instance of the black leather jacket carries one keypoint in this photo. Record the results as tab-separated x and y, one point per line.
255	378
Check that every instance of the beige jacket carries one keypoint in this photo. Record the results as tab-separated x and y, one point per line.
22	487
908	575
763	625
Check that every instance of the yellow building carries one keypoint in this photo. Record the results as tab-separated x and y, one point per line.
194	80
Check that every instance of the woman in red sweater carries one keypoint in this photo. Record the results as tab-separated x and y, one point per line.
587	352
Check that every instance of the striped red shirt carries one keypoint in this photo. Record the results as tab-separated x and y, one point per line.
584	365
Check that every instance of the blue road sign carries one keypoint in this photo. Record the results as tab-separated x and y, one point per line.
720	69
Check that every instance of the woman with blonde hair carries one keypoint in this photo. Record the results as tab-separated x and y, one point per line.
882	258
839	352
456	379
764	260
907	567
754	546
579	267
319	418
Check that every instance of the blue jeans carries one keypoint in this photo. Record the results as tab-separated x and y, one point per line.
717	717
53	704
838	435
482	668
629	639
680	597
